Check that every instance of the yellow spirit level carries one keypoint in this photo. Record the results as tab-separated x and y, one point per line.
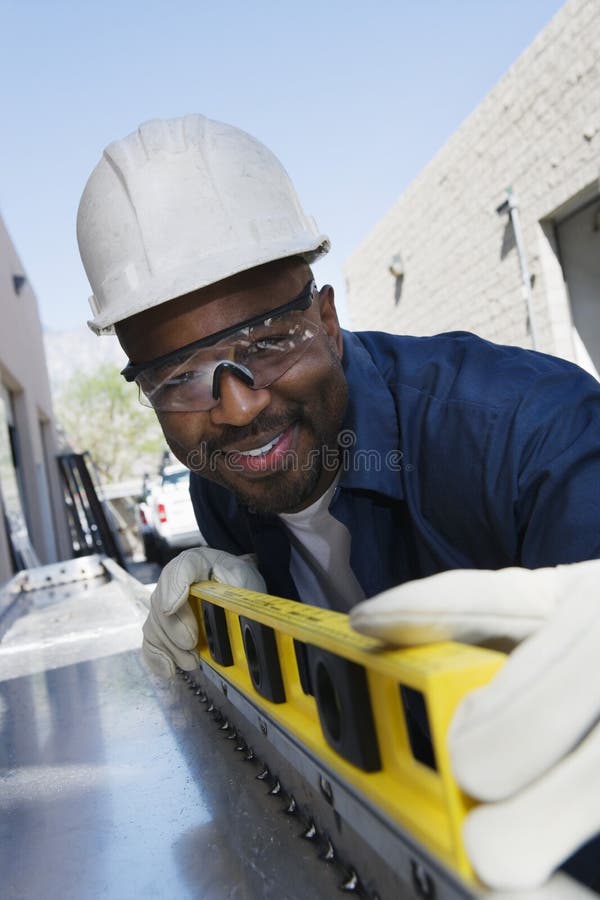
372	720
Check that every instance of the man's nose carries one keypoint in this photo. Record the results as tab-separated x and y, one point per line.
239	404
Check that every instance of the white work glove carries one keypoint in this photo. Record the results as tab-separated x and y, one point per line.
171	630
527	744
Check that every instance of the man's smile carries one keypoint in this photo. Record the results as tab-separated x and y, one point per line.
267	456
260	451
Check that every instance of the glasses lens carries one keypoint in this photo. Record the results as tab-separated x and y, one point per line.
273	348
267	350
182	387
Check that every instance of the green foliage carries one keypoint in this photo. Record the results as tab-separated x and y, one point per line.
99	412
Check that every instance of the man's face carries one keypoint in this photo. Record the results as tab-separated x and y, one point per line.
274	447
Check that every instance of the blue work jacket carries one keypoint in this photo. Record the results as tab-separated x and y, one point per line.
457	453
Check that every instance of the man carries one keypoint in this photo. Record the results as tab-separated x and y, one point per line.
331	467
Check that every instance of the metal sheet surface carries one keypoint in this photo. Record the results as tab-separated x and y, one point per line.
117	785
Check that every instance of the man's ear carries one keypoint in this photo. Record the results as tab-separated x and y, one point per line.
329	317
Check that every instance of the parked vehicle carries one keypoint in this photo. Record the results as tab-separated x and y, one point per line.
166	519
145	527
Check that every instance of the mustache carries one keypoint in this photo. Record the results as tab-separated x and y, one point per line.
263	424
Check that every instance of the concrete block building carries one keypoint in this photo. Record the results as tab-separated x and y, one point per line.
33	525
446	256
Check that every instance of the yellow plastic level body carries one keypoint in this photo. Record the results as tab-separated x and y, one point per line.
375	715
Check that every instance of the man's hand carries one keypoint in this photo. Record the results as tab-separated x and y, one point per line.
171	630
527	744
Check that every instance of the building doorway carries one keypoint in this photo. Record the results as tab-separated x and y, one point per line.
578	237
12	498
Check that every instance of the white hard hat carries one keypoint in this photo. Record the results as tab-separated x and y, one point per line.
180	204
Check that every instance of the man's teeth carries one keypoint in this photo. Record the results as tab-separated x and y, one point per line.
260	451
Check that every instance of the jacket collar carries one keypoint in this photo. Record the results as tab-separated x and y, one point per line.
370	437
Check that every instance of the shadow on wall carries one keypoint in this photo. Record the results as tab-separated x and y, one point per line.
398	282
508	240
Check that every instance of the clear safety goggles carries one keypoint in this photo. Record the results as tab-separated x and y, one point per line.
257	351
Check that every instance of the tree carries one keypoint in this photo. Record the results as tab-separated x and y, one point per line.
98	411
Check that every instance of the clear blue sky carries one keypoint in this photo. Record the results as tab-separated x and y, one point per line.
354	97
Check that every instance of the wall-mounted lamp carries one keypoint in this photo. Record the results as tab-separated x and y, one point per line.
396	266
19	282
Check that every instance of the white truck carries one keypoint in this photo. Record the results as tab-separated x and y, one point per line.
166	519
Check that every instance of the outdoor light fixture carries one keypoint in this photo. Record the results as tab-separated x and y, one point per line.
19	282
396	266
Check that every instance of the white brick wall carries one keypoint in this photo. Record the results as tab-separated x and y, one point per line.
539	131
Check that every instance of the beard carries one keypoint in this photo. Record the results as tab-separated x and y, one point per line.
280	492
296	479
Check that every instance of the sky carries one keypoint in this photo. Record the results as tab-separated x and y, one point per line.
355	98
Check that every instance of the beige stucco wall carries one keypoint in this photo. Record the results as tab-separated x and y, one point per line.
23	372
537	131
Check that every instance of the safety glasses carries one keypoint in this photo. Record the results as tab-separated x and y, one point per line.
258	351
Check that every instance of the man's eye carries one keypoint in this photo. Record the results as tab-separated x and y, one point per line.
182	378
273	343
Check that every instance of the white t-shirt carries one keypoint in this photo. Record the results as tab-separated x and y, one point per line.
320	556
